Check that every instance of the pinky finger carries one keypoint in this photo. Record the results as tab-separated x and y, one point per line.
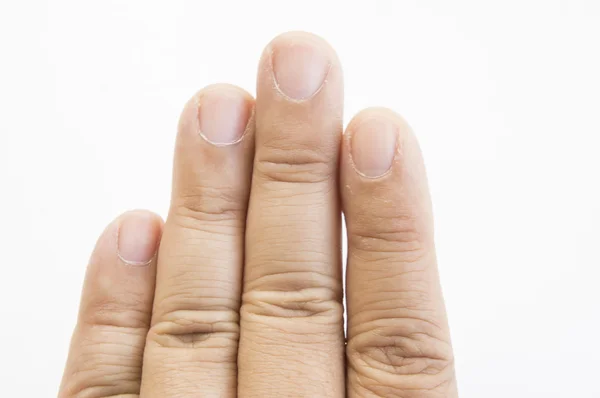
105	358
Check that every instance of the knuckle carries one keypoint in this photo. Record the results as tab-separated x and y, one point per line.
302	296
406	294
125	310
207	204
315	302
188	322
300	292
294	166
390	231
198	329
401	355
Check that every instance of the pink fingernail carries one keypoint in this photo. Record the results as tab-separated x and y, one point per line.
137	240
300	68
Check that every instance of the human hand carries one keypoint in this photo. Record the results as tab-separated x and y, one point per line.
244	297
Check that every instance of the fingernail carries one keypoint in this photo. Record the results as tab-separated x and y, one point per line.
300	68
373	147
137	239
223	116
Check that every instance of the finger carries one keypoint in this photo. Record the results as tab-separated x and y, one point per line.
292	338
398	339
108	343
192	344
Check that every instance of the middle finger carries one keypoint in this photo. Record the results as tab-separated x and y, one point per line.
292	340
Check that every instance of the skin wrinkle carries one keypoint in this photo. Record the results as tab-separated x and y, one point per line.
409	345
203	213
295	205
208	285
291	195
210	274
264	263
324	280
100	319
394	304
294	158
372	259
284	304
380	241
419	360
278	175
265	278
109	349
399	312
214	298
187	263
191	303
211	294
92	379
217	223
293	334
410	280
302	234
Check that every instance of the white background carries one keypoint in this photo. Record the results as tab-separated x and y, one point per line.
504	96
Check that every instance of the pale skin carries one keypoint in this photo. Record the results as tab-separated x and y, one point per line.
239	292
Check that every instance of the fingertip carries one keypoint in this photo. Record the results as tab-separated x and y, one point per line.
300	63
300	68
138	236
377	141
214	148
220	114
